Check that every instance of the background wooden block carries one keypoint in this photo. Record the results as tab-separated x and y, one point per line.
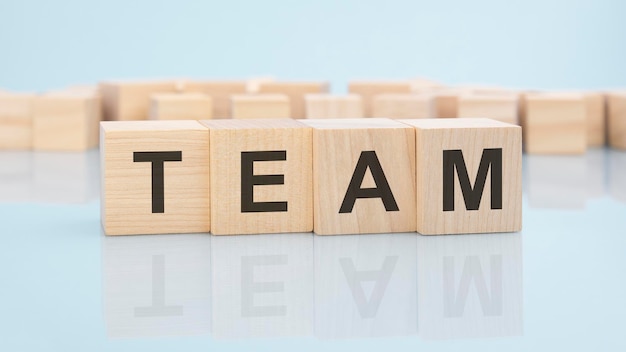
555	123
296	92
328	106
181	106
442	209
370	89
419	84
16	122
260	106
404	106
283	203
498	106
129	202
617	119
130	100
596	118
252	85
357	159
220	92
66	121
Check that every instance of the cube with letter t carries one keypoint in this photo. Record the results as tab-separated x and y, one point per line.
364	176
155	177
260	176
469	176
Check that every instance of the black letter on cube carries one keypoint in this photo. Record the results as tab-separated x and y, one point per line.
249	180
157	159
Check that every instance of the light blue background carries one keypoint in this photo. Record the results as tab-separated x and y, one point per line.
528	44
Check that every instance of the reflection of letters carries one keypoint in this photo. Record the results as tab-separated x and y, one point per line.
158	308
455	300
368	308
249	287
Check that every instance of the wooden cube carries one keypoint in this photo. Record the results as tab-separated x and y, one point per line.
16	121
502	107
555	123
130	100
252	85
260	106
220	93
404	106
465	150
447	101
364	179
66	122
368	90
420	83
181	106
617	120
155	177
296	92
328	106
261	174
596	119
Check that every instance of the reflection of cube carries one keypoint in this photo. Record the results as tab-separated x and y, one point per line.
16	176
65	177
469	286
365	285
130	100
368	90
452	154
555	123
181	106
364	179
556	181
16	122
596	119
155	177
617	120
404	106
220	93
260	106
501	107
157	286
261	173
327	106
262	285
616	171
296	92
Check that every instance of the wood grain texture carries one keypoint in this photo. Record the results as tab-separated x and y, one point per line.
337	147
296	92
66	121
501	107
130	100
181	106
617	119
229	138
471	137
595	103
126	200
16	122
220	92
555	123
328	106
404	106
368	90
260	106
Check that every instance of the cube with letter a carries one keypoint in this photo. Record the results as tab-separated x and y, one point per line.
260	176
469	176
155	177
364	176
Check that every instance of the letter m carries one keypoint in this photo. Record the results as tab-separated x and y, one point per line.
453	160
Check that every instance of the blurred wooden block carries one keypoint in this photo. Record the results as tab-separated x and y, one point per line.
500	107
418	85
261	173
296	92
555	123
130	100
181	106
16	121
155	177
617	119
368	90
328	106
252	85
596	118
220	93
468	149
404	106
260	106
66	122
447	101
364	179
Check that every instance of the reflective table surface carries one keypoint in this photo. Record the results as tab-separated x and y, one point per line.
560	284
